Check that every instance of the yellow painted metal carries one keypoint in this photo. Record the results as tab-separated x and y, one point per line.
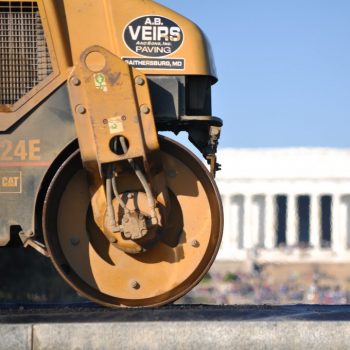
103	22
72	26
158	276
109	99
107	103
52	13
85	41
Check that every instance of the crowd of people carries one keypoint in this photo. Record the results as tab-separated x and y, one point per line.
29	277
261	287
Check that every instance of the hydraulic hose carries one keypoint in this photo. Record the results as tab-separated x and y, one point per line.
143	180
110	210
116	195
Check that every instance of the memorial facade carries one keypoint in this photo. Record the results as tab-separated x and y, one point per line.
285	205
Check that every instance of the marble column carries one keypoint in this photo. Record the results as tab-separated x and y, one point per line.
225	251
336	231
341	205
346	219
258	220
270	239
248	242
237	221
292	222
315	222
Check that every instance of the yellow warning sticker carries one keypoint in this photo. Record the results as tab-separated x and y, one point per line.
115	125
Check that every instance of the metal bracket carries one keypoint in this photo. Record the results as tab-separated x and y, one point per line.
111	105
27	240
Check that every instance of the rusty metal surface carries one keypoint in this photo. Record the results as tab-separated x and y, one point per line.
164	273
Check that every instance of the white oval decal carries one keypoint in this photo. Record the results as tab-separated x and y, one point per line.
153	36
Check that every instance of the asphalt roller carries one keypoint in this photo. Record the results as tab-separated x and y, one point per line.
128	217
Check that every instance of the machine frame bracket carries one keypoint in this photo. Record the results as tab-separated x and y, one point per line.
111	106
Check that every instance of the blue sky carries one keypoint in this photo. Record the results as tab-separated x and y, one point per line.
284	69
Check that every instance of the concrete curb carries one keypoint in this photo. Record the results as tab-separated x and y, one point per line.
177	328
193	335
16	337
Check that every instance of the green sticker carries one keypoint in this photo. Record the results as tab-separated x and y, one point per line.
100	82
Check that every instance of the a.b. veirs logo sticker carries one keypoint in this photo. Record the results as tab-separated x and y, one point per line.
153	36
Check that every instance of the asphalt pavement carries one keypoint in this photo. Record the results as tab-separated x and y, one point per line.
91	313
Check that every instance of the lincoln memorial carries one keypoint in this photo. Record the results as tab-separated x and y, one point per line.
285	205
